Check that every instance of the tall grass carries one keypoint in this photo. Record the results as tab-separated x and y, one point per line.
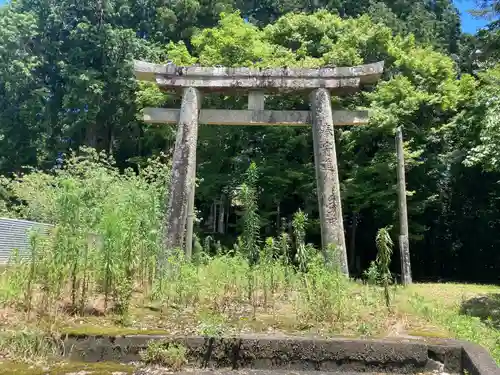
100	258
101	255
30	345
384	252
107	227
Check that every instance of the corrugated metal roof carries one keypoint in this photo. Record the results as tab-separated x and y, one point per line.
14	234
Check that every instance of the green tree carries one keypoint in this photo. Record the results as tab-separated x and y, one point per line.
66	80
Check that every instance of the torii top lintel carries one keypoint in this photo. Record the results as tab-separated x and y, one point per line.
338	79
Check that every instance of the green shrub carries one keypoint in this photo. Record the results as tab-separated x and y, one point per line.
29	345
165	354
106	235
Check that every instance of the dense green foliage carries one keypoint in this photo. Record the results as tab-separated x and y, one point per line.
106	234
66	81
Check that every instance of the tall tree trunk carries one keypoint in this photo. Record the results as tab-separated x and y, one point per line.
278	217
213	217
91	135
111	140
226	223
222	210
352	244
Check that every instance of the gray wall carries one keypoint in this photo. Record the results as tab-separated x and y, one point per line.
14	234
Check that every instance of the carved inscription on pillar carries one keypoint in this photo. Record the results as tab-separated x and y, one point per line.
325	158
183	170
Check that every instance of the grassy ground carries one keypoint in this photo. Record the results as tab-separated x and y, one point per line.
225	297
438	310
469	312
102	368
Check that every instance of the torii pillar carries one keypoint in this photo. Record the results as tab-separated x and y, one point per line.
319	83
327	177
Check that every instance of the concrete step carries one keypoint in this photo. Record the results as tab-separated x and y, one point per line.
163	371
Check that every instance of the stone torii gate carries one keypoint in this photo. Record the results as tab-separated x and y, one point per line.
191	82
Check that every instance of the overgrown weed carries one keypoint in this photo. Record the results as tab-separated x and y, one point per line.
166	354
104	242
99	260
31	346
97	266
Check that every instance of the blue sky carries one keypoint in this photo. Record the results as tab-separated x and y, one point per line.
469	23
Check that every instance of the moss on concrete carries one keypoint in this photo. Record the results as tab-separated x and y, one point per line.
91	330
431	334
100	368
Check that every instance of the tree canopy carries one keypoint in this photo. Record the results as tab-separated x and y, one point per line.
66	81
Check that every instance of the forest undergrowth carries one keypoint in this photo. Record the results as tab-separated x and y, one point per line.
95	272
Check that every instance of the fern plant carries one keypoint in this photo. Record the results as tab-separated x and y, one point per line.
302	254
372	274
246	197
384	252
283	248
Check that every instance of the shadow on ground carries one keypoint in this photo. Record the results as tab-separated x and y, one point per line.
486	307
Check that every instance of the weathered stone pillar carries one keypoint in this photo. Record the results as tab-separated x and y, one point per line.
188	252
182	186
327	176
404	245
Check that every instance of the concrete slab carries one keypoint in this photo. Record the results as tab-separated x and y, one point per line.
159	371
260	355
